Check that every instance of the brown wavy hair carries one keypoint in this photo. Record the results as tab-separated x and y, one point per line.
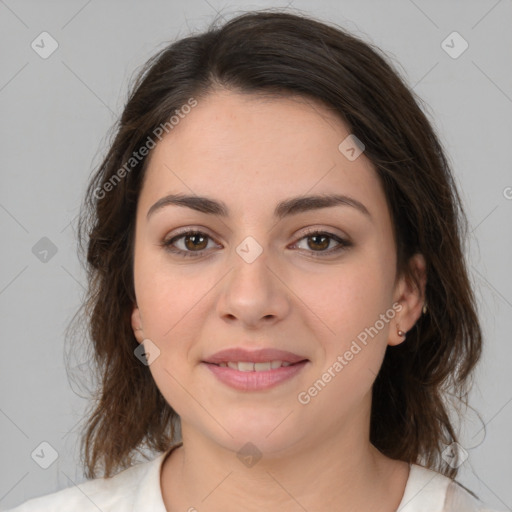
279	53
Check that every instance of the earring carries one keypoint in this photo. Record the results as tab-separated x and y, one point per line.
400	333
424	310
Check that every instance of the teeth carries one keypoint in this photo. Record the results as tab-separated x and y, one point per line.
244	366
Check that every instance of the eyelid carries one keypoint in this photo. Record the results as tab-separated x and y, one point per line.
182	232
308	230
343	241
189	229
326	230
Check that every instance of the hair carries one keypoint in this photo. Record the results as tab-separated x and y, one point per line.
281	54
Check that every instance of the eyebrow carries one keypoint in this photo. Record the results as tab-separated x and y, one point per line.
288	207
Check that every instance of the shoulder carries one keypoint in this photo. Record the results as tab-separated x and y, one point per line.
427	491
120	492
458	498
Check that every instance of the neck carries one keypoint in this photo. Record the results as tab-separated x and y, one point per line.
345	473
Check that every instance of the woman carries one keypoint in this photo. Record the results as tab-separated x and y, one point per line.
278	299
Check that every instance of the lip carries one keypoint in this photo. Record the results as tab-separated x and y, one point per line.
256	356
255	381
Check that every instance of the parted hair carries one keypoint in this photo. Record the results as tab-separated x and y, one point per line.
280	53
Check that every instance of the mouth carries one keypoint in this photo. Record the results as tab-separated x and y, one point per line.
249	366
254	370
255	376
245	357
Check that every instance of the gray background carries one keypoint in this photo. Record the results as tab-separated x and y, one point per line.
56	114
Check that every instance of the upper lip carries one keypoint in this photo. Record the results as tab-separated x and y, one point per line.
255	356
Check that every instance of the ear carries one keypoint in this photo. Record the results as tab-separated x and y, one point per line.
410	293
137	324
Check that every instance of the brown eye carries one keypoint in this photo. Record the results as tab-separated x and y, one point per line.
194	243
319	241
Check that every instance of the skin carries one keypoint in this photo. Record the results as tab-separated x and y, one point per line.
252	152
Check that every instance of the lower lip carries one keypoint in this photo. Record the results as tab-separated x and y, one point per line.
255	381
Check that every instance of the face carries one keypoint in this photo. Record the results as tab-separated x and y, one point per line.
318	282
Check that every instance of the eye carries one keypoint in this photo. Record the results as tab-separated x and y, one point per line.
194	243
319	241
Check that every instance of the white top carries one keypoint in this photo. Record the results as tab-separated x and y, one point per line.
137	489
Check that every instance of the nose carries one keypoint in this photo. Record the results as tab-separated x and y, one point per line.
253	293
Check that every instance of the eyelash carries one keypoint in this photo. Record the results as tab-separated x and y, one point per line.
343	244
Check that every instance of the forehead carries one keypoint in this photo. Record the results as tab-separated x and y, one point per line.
252	151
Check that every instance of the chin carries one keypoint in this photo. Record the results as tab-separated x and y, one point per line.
270	435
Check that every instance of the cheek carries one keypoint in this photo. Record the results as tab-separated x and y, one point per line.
171	308
349	299
350	351
164	294
174	303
